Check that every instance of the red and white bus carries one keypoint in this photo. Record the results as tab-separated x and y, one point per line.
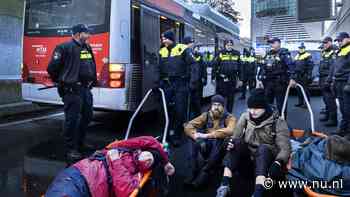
125	41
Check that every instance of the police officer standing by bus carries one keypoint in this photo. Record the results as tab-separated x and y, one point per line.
73	69
326	65
226	71
303	73
198	77
341	77
274	73
175	63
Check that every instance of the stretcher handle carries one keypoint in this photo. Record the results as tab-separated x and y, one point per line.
139	109
306	101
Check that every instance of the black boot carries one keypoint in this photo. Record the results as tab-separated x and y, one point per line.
201	179
324	117
299	104
323	111
332	121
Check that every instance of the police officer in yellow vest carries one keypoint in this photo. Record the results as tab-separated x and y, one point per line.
175	64
303	73
274	72
326	66
208	57
227	73
73	69
249	69
341	76
198	79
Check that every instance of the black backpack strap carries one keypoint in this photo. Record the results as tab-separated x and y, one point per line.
99	156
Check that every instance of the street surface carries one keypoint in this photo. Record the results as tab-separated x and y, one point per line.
32	151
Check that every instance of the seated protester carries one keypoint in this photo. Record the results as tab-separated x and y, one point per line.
260	140
207	133
115	171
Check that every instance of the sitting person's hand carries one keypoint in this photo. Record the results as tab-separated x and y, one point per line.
276	170
199	135
169	169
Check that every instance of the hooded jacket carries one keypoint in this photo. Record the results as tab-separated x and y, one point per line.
272	132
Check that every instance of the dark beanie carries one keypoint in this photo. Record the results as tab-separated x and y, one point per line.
218	99
169	35
257	99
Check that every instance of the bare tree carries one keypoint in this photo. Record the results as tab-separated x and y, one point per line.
225	7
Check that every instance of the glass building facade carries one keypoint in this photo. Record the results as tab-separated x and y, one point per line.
264	8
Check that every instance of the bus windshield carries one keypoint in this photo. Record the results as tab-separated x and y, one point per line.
53	15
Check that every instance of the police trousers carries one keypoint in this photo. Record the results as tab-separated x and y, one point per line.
328	95
78	111
177	95
250	83
303	81
275	89
227	89
195	105
344	103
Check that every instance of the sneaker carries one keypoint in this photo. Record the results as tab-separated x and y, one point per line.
223	191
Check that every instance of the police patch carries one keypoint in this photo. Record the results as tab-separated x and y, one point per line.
56	55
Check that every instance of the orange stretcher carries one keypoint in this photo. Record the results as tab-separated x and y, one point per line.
148	175
298	133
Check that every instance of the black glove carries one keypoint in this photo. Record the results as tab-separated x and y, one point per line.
347	88
276	170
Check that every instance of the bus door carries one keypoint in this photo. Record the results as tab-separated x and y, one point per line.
150	45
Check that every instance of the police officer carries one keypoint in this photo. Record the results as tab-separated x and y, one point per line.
274	73
227	73
73	69
198	77
326	65
341	76
303	73
208	57
249	69
175	64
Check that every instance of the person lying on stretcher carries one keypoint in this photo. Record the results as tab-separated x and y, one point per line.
260	144
114	171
